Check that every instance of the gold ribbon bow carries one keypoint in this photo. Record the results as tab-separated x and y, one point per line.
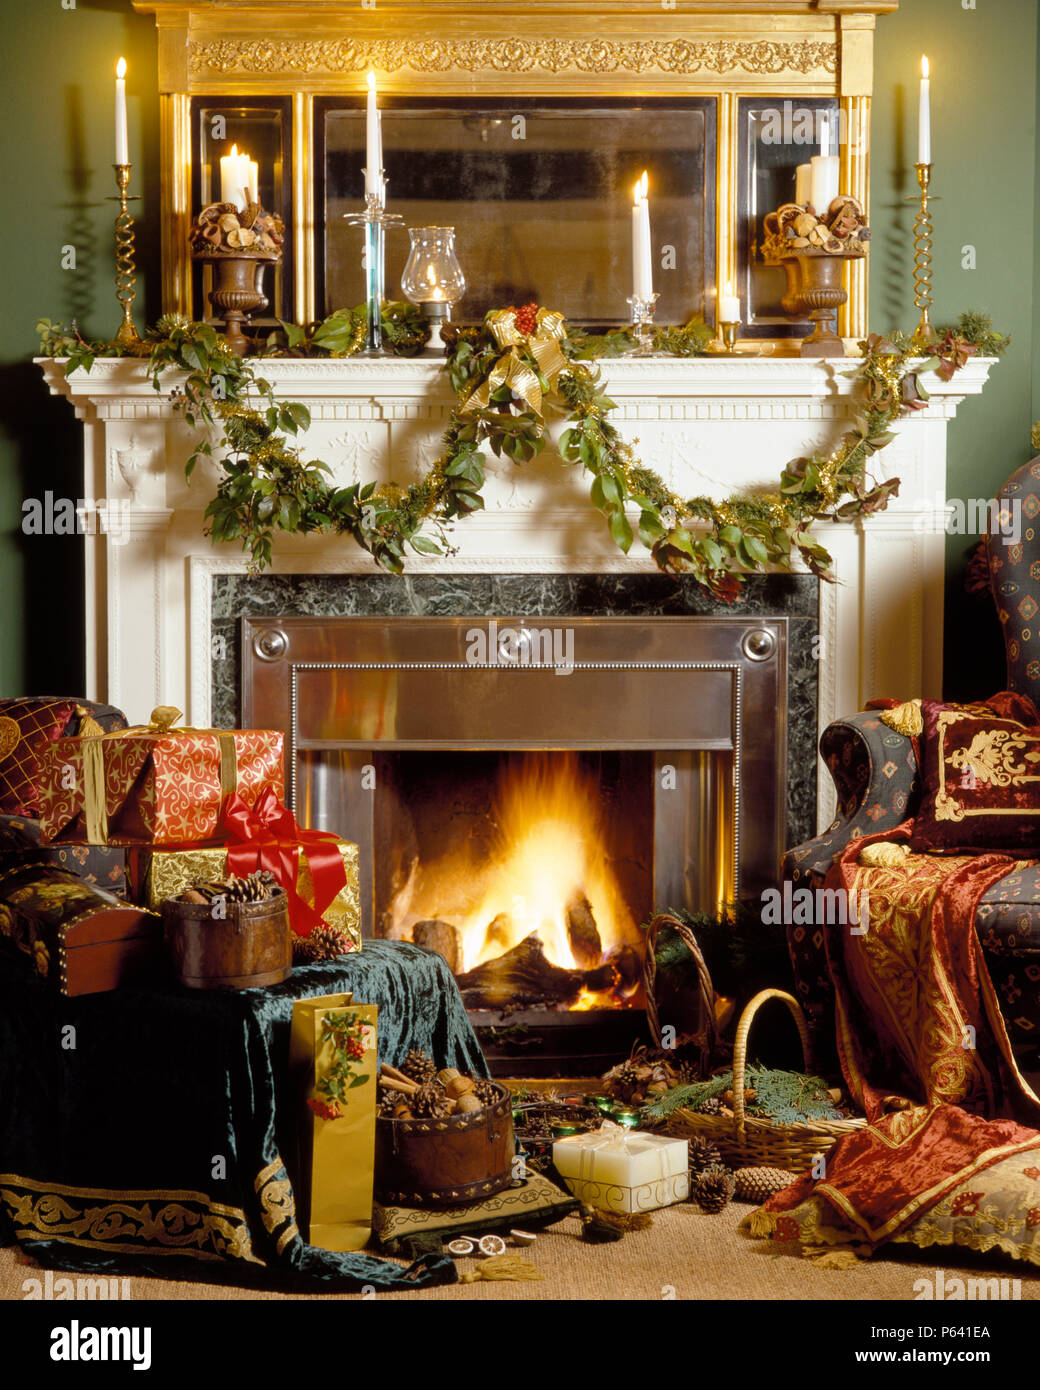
161	721
511	370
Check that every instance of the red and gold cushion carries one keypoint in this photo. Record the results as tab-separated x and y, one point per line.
980	769
27	726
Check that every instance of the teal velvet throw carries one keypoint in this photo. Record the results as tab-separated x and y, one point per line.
143	1131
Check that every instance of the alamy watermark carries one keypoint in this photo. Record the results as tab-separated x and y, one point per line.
952	1288
102	1288
971	516
82	516
791	124
807	907
551	647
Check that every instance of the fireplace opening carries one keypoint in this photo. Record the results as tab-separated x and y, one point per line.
531	872
525	820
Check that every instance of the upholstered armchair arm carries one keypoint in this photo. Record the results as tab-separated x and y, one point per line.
875	772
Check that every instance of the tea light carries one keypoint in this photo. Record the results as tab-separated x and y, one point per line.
602	1103
562	1130
628	1119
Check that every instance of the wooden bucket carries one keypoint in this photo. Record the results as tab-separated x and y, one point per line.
445	1162
248	949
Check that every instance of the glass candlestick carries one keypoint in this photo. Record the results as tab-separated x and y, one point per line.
642	321
375	219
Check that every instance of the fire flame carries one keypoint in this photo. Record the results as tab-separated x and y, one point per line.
549	844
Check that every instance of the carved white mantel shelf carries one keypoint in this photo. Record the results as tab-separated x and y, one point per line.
709	426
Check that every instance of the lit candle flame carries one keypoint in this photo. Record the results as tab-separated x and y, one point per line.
121	68
925	68
642	185
371	81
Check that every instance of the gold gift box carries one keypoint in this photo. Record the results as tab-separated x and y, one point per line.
165	873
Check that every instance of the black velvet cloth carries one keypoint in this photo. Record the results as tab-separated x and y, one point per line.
150	1139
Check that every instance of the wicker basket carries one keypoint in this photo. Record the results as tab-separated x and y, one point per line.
746	1141
705	1034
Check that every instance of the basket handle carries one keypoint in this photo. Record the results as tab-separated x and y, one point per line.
740	1046
707	1031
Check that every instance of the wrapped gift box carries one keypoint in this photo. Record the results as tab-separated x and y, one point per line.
157	786
333	1066
619	1170
159	874
100	864
80	938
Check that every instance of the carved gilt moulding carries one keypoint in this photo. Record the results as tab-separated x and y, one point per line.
309	48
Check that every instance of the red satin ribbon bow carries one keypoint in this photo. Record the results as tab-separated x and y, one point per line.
267	837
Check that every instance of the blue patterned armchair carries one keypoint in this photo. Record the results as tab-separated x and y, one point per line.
875	772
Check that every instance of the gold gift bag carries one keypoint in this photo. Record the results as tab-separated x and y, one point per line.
332	1063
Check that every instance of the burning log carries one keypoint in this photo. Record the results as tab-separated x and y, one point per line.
441	937
582	932
629	966
525	976
499	932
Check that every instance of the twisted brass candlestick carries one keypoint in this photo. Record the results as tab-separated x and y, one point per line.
126	278
924	334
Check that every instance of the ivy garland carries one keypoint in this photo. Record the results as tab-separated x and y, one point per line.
507	373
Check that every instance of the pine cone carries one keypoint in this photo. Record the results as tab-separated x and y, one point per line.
714	1189
623	1081
388	1100
254	888
418	1067
758	1184
711	1106
703	1155
686	1073
486	1090
430	1102
304	951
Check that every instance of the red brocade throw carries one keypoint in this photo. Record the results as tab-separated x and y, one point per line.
266	836
923	1049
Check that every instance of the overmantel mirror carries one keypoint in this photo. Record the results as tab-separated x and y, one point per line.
524	124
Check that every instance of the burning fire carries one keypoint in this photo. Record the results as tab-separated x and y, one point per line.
548	850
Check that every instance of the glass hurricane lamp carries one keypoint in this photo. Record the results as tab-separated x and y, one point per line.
433	278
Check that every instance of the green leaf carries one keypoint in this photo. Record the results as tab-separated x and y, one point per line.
712	553
650	529
468	501
299	415
425	546
466	466
680	539
620	530
611	490
756	550
295	336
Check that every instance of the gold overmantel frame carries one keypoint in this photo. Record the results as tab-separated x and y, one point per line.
726	49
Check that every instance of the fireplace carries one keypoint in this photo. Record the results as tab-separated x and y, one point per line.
525	792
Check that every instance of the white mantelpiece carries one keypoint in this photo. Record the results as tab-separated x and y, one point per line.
708	426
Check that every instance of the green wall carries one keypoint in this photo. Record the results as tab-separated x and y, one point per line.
984	120
56	151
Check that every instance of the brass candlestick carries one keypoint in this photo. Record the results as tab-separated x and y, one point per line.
728	331
924	334
126	278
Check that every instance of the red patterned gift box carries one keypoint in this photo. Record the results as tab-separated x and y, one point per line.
153	784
